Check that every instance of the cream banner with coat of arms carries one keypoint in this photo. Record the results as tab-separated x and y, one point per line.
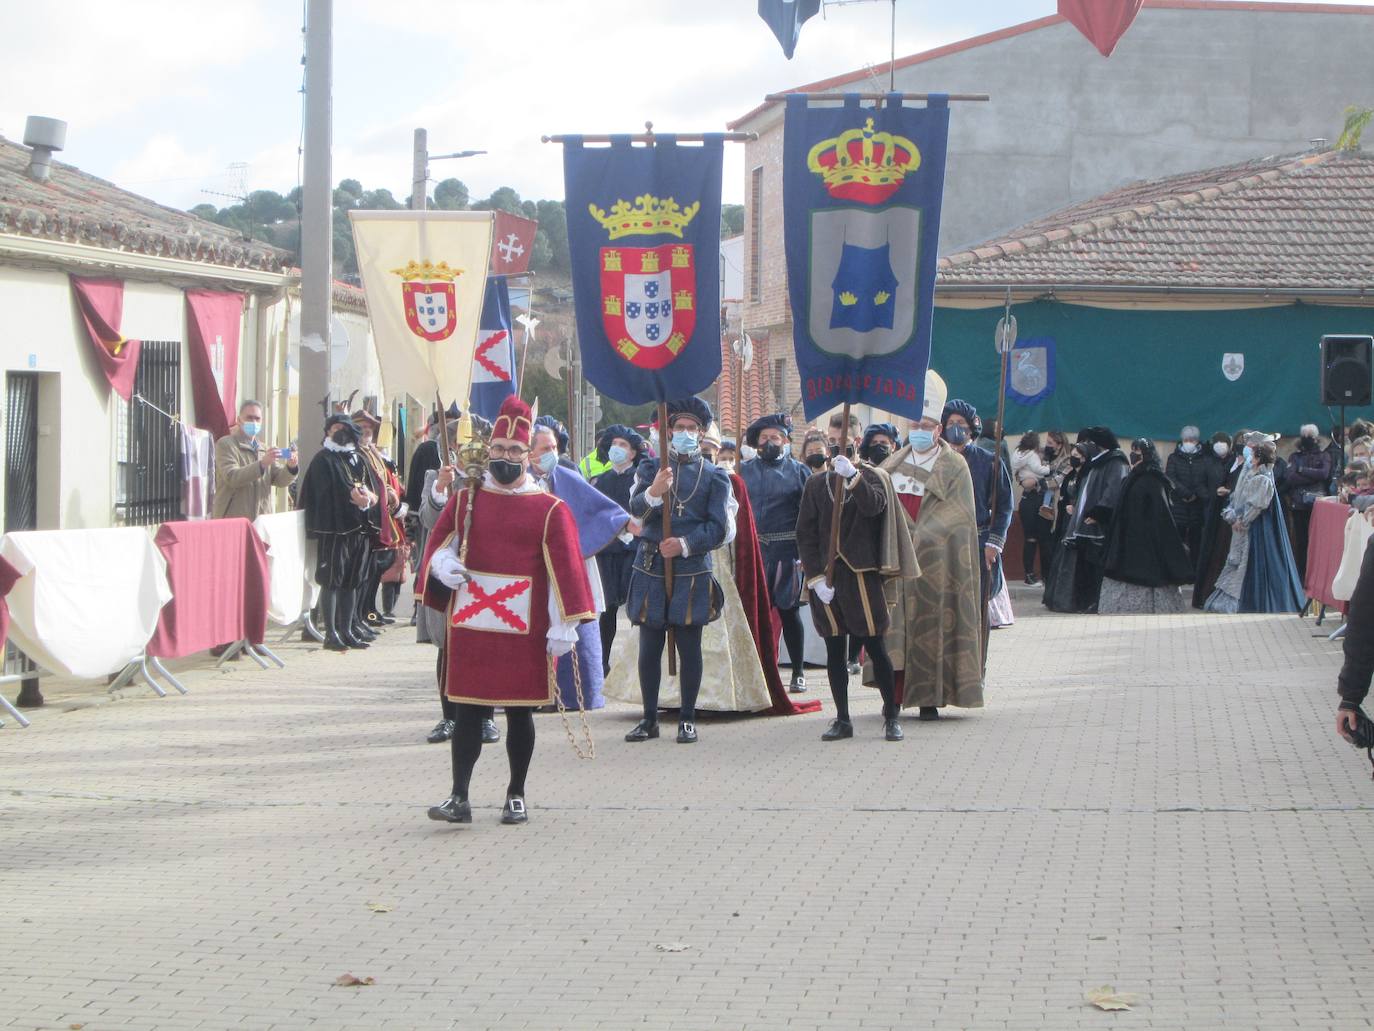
425	274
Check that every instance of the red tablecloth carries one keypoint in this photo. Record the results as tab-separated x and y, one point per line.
8	576
217	569
1325	543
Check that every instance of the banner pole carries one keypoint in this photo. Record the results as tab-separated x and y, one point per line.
667	532
1004	346
837	505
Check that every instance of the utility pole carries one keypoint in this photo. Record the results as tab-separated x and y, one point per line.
419	174
317	226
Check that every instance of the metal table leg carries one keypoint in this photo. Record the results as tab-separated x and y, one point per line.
19	716
164	673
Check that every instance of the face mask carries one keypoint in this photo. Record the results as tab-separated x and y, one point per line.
617	454
548	461
921	440
1188	447
342	439
728	464
816	461
252	429
505	472
1091	450
1075	462
1249	453
770	452
1135	458
956	434
1221	450
878	453
684	442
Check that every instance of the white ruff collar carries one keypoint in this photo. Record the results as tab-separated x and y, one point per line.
330	445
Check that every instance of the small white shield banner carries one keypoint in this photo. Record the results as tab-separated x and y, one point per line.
1232	365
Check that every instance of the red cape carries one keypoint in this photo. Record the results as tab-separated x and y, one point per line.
750	582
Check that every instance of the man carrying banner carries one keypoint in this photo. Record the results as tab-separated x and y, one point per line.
847	600
936	638
503	563
696	494
775	481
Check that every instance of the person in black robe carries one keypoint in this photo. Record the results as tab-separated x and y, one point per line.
1079	567
335	497
1146	560
623	448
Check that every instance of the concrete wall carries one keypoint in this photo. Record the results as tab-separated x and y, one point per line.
41	332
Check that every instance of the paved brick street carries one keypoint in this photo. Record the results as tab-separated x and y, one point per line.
1155	803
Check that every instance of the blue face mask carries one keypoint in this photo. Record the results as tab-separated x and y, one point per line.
956	434
252	429
1249	455
617	454
921	440
684	442
547	462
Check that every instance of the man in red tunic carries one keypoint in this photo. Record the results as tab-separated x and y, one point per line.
513	593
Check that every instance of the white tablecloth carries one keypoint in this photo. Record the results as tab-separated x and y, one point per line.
290	566
88	600
1357	534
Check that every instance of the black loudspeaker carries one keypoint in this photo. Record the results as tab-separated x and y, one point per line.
1346	370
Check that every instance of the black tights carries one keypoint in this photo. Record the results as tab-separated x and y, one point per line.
466	745
651	643
794	638
449	709
607	626
836	656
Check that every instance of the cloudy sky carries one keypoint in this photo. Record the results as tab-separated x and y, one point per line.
163	96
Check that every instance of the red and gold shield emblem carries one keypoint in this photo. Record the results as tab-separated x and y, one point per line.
430	309
648	301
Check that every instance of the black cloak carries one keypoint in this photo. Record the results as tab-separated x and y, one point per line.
1143	543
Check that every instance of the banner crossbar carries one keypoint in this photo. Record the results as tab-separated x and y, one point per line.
649	136
771	97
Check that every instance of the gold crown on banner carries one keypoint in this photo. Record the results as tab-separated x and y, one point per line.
428	272
864	165
649	217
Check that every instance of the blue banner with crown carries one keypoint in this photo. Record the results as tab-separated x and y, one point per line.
862	188
644	234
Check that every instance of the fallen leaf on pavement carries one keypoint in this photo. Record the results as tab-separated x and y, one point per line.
379	907
349	981
672	946
1108	998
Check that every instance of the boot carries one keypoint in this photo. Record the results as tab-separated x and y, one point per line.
360	628
329	599
345	607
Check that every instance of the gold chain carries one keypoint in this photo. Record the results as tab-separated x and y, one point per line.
590	753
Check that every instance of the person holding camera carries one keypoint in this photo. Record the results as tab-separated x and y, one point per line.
246	471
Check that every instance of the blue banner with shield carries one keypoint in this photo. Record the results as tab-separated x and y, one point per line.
644	234
862	187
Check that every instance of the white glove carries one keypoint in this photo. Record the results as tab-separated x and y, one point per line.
823	591
562	637
746	453
843	466
449	571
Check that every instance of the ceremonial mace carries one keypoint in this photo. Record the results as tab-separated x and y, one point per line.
1005	340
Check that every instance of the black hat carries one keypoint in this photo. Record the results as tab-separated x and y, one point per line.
340	419
560	432
1099	435
885	429
625	433
694	407
776	421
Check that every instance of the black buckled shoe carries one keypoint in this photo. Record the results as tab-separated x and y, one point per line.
892	730
443	730
644	731
514	811
838	731
928	713
452	810
686	733
490	734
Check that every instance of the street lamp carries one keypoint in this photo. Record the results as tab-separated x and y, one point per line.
420	170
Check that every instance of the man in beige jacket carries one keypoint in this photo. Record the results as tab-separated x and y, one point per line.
245	471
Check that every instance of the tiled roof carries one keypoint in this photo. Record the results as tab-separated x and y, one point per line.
1292	223
758	392
78	208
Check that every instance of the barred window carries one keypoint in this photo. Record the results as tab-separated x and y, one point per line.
147	456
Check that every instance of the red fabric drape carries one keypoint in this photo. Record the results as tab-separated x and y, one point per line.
752	586
101	305
1104	22
214	320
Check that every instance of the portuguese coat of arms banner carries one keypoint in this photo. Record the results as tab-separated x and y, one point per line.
862	188
425	275
644	232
